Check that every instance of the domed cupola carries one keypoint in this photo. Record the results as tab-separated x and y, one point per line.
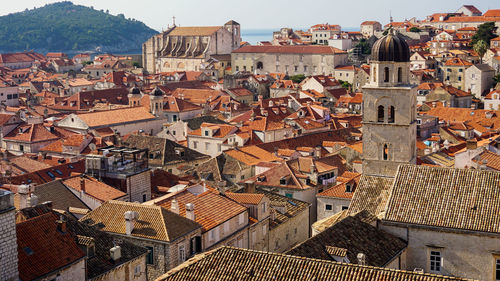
391	48
135	91
157	92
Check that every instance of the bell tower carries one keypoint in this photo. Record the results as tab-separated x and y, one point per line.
134	96
389	109
156	102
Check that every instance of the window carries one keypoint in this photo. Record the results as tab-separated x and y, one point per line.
283	181
328	207
137	270
175	118
435	261
296	68
289	195
391	114
380	113
144	198
386	152
305	68
400	75
497	269
459	78
241	218
21	147
344	208
237	68
206	133
150	256
260	65
460	70
348	187
9	97
182	254
386	74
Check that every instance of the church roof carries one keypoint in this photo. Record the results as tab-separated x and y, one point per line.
194	30
391	48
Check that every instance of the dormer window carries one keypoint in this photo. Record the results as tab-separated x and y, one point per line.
283	181
348	187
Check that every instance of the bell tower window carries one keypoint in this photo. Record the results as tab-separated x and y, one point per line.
380	113
386	74
400	75
386	152
391	114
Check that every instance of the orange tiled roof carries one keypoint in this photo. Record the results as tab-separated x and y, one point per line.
246	198
457	62
210	209
194	30
290	49
94	188
42	249
31	133
110	117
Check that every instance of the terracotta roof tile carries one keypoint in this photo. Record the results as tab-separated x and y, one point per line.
94	188
246	198
42	249
226	262
154	222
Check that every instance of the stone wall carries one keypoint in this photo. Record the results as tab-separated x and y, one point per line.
289	233
8	242
139	185
464	254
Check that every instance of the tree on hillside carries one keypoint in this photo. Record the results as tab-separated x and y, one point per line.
414	29
485	32
481	47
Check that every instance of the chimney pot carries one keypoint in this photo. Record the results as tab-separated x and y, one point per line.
190	211
361	259
174	207
130	218
61	224
82	184
115	253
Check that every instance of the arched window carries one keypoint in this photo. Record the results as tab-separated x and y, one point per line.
400	75
380	113
386	74
260	65
386	152
391	114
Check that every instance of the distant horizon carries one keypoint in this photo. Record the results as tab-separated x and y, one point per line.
252	16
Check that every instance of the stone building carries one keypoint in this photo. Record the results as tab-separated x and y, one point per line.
389	104
479	79
419	205
291	60
189	48
454	72
368	28
8	251
171	239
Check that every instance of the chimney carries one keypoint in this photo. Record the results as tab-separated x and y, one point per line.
32	200
361	259
271	103
472	106
471	144
433	104
260	98
130	218
317	152
249	187
313	168
23	190
115	253
174	207
82	185
61	224
190	211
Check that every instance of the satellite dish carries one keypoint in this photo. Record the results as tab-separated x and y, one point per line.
92	146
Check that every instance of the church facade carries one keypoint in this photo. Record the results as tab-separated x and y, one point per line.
189	48
389	109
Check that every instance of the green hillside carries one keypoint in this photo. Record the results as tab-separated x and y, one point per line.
71	28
